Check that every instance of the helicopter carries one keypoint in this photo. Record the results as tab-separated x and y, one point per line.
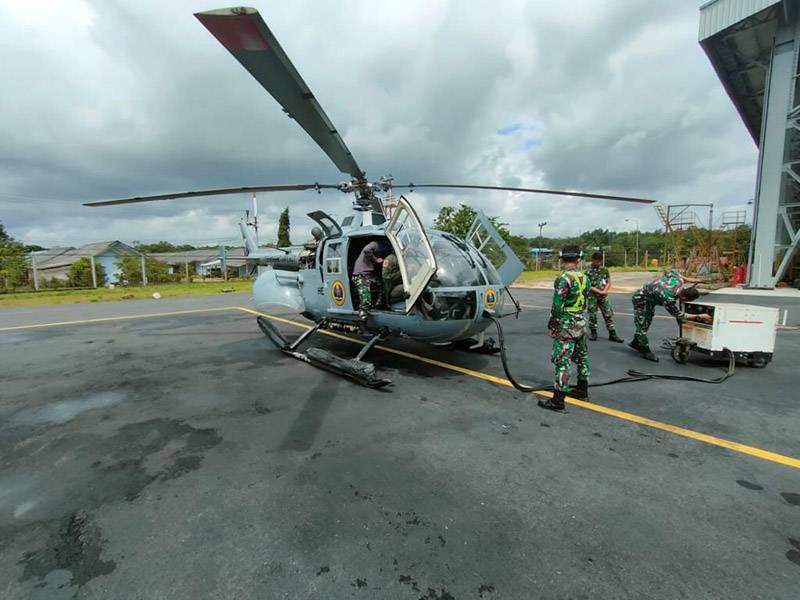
450	288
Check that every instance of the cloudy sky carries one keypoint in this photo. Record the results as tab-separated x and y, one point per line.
113	98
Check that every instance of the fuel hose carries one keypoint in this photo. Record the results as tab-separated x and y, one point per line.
633	375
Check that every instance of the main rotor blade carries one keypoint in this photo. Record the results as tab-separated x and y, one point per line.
414	186
243	32
216	192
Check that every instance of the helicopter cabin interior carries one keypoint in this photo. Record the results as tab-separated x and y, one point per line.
391	302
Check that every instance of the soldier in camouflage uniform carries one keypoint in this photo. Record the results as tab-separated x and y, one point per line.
366	277
392	280
567	327
600	283
667	291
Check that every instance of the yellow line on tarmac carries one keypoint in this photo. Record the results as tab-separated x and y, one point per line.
121	318
612	412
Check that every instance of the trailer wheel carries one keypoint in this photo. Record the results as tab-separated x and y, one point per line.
680	354
757	363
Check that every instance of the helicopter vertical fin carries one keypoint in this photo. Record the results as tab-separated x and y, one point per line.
484	237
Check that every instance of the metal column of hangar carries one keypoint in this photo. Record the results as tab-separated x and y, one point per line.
753	46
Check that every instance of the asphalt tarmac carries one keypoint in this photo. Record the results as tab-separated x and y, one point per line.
164	449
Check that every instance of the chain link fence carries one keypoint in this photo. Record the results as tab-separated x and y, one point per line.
20	272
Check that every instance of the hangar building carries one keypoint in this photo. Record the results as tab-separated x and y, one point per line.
753	47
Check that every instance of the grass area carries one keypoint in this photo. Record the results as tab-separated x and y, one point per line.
166	290
527	276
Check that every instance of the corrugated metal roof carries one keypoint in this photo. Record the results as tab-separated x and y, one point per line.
202	255
721	14
60	257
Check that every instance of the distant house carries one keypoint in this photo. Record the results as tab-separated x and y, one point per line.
56	262
205	262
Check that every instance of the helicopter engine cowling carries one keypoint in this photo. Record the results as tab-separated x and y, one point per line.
278	288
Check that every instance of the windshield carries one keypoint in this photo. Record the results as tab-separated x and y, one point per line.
455	267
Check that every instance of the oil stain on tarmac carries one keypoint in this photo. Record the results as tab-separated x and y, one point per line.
75	547
794	554
748	485
137	455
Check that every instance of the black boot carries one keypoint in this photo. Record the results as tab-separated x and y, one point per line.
612	335
555	403
581	391
648	354
593	335
643	350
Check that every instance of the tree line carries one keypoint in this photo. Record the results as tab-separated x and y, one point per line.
618	246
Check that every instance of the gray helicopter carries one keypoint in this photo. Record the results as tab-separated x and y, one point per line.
449	290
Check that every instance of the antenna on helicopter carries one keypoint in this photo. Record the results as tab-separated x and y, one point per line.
255	216
254	222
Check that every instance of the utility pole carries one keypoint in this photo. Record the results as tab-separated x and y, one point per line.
637	238
186	268
539	252
144	273
35	272
94	273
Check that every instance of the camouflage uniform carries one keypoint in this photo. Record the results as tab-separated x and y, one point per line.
367	287
598	278
366	278
391	276
567	327
661	292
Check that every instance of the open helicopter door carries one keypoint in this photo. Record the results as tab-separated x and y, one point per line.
413	250
487	240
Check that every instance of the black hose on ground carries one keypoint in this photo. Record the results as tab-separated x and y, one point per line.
633	374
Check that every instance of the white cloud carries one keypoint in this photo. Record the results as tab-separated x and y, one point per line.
111	99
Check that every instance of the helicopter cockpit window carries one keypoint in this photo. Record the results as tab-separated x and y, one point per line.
503	264
411	245
492	276
333	259
415	255
490	249
456	268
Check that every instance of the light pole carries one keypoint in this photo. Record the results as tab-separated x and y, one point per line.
637	239
539	253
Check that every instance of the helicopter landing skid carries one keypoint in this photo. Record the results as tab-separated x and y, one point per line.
356	369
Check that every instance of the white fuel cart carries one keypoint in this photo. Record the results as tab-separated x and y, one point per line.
745	330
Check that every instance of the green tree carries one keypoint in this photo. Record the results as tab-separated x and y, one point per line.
156	247
283	228
458	220
80	273
130	271
13	263
455	220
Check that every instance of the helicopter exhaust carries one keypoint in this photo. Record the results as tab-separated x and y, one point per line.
355	369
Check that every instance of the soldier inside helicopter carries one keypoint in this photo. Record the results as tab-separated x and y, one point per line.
457	267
